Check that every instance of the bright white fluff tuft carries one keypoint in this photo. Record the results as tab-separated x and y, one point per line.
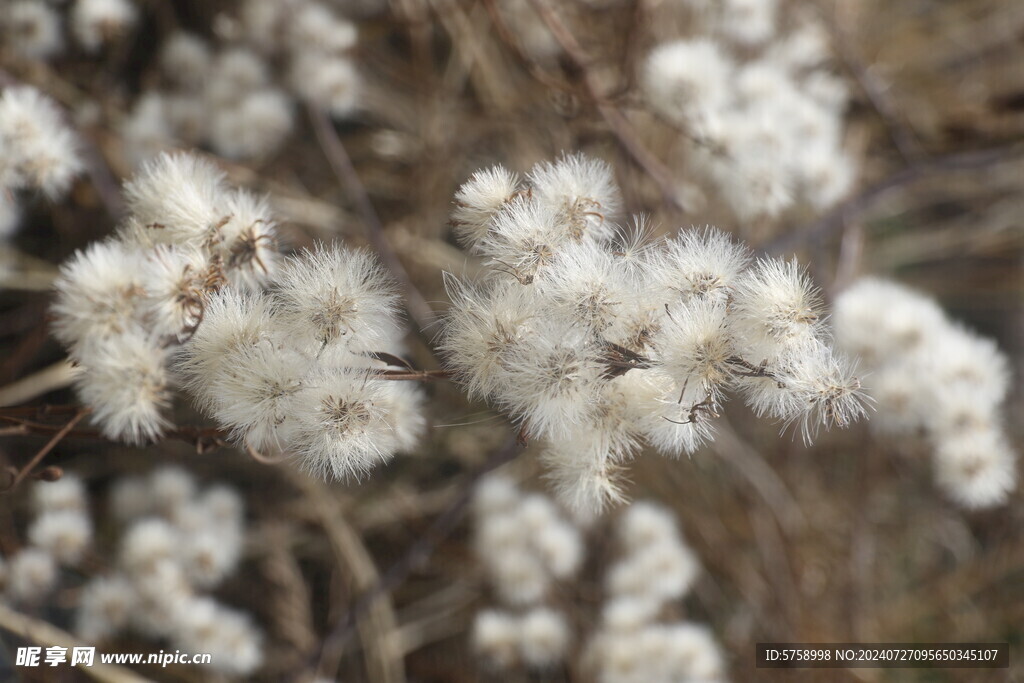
479	199
124	306
40	152
31	575
65	534
762	110
295	369
524	542
178	199
96	22
936	380
33	29
65	494
336	296
598	341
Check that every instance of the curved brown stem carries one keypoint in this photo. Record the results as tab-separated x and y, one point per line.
50	445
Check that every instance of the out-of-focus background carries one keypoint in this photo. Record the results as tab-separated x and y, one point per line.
848	539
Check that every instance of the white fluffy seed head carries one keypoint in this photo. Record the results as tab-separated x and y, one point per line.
495	637
977	469
33	29
495	494
146	544
314	28
31	575
776	307
173	279
249	243
171	488
64	534
333	296
478	200
342	427
233	322
99	294
124	380
329	82
687	82
581	192
698	263
104	608
875	319
585	477
545	637
695	346
66	494
41	152
253	126
824	386
255	391
178	199
96	22
185	58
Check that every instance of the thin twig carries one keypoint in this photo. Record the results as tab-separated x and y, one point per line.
421	550
50	445
834	219
616	120
332	147
378	627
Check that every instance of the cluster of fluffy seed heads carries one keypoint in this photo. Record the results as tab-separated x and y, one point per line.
598	343
124	305
303	369
769	128
38	152
936	380
525	546
656	569
225	99
178	542
59	535
228	94
34	28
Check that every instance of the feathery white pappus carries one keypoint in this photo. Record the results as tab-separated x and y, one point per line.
295	369
765	114
38	151
597	342
932	378
124	306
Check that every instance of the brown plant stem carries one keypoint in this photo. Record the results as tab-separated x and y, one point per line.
333	148
420	551
613	116
45	450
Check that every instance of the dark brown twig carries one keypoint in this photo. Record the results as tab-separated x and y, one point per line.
332	147
834	219
616	120
45	450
